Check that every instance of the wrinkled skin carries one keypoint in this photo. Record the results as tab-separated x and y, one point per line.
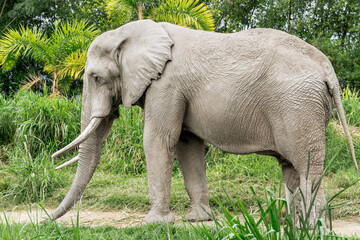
258	91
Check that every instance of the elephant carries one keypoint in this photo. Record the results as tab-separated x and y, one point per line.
257	91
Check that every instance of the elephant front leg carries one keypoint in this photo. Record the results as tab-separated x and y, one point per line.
159	160
190	154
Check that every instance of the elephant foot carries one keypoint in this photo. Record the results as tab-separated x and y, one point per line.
159	217
198	213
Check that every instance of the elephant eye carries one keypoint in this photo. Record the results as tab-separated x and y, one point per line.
96	78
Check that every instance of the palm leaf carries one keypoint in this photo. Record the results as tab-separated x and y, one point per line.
69	37
119	12
33	80
74	65
187	13
67	43
25	41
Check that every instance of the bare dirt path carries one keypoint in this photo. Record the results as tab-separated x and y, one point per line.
346	227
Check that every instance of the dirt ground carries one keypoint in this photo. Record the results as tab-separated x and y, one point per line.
345	227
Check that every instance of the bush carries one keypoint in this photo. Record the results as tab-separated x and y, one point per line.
351	106
32	127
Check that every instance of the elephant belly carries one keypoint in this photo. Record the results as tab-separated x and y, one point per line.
238	130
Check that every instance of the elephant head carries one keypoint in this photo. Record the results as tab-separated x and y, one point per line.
120	66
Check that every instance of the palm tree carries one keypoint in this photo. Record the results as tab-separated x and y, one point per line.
69	41
188	13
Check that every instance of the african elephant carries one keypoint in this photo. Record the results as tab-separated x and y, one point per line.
257	91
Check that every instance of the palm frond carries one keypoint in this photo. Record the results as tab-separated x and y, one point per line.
73	65
67	43
70	36
187	13
119	11
32	80
26	42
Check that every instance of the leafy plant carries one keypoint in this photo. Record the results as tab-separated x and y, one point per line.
30	179
187	13
351	106
55	52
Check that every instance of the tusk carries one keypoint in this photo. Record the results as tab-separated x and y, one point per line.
94	123
75	159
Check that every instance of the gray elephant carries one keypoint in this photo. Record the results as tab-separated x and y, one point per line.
257	91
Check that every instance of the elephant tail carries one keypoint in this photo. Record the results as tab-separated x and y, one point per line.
334	89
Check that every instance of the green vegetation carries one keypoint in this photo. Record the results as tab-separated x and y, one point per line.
62	54
52	230
269	222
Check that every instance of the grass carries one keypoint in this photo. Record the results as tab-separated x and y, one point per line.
265	223
52	230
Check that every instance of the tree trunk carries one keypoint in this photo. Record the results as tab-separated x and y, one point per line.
2	9
55	86
140	10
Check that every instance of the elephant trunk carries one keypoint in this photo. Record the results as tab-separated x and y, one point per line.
89	155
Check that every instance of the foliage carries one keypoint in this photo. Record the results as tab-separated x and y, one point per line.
30	127
187	13
29	178
351	106
119	12
55	52
335	136
333	27
39	13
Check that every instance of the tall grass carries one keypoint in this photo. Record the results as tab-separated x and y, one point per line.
39	122
351	104
335	137
268	222
32	126
123	152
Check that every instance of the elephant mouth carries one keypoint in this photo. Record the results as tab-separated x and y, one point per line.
92	126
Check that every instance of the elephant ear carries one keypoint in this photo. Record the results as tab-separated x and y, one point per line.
142	57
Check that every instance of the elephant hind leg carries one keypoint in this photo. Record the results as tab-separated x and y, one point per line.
290	179
190	154
312	187
310	200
